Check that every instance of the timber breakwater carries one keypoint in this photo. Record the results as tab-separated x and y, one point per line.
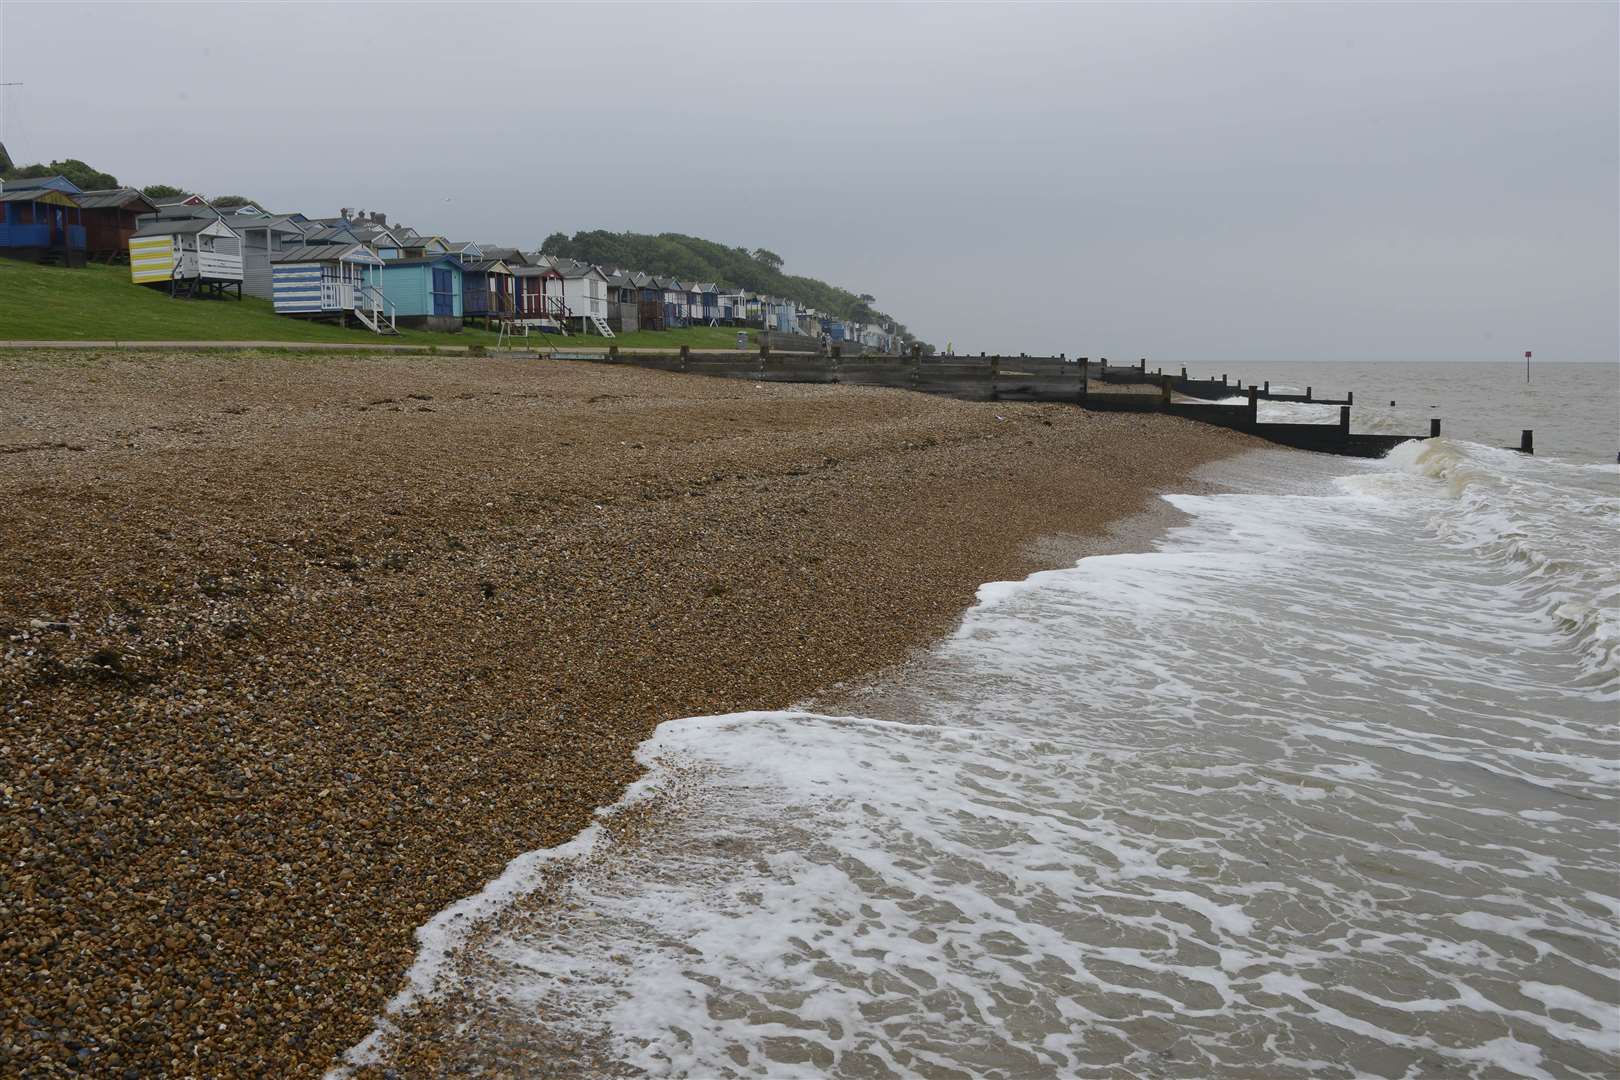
1090	384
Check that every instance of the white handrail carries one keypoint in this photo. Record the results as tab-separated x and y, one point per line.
379	302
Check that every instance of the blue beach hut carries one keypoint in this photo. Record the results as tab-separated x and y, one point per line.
425	292
326	281
40	221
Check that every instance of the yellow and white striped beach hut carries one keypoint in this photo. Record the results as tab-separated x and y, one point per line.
187	255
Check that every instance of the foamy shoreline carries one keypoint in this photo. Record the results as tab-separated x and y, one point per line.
1050	846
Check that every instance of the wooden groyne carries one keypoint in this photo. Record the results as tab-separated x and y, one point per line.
1087	383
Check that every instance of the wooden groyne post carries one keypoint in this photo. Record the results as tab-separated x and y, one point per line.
1254	403
1434	427
1527	441
1344	419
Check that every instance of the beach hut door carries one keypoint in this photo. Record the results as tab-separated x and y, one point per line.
443	292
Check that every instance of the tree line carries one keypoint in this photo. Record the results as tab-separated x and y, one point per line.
89	178
692	258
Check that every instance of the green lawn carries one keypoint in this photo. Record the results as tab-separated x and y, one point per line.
92	303
698	337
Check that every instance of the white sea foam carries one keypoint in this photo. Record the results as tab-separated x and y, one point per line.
1288	412
1324	785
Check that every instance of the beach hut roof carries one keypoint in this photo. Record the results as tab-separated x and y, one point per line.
35	183
333	234
510	256
266	221
103	198
571	268
180	211
49	196
328	253
184	227
424	260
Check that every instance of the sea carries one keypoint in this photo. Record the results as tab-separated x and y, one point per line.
1320	780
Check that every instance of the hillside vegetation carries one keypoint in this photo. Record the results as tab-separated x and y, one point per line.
691	258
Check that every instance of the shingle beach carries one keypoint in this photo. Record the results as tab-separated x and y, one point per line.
297	650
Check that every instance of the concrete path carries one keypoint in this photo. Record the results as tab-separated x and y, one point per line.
327	346
299	346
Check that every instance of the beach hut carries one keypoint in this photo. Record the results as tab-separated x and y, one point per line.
190	256
676	307
41	224
585	293
649	301
782	320
263	238
624	312
425	291
733	306
486	291
423	247
111	216
331	281
706	305
538	293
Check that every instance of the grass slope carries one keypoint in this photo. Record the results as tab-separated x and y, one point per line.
92	303
100	303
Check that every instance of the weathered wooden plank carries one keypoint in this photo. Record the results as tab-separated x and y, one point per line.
749	370
805	371
1125	375
877	372
1231	416
1039	365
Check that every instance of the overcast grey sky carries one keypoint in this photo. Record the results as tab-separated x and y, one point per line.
1189	183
